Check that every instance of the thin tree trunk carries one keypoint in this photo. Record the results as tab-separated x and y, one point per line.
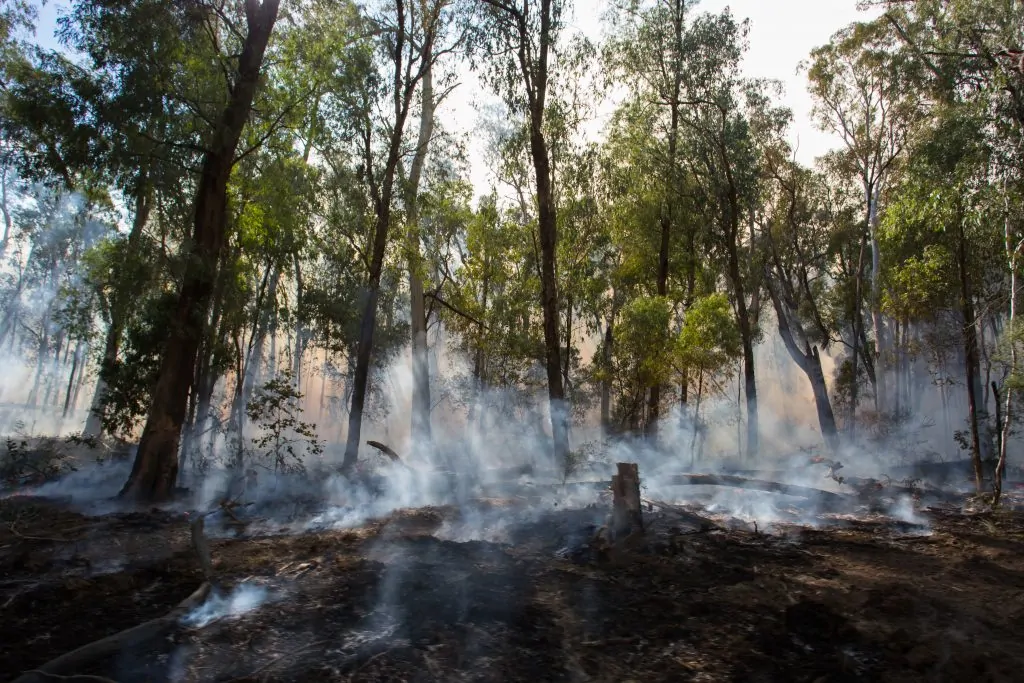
858	327
382	197
881	362
155	470
300	328
971	364
421	430
548	230
606	381
4	208
75	359
1007	426
696	419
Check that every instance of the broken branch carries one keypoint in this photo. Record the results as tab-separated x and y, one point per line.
78	658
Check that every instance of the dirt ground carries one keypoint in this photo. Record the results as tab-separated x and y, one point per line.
498	592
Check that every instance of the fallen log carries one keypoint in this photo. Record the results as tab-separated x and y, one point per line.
828	497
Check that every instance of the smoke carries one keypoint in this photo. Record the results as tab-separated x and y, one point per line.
243	599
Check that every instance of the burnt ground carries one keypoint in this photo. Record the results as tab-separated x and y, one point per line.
397	600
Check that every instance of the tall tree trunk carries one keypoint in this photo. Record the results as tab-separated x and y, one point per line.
532	46
421	430
75	360
205	379
881	343
667	213
155	470
1007	425
747	339
119	307
654	396
300	327
250	359
858	329
403	89
971	363
5	172
547	227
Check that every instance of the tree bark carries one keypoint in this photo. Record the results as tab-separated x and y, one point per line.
747	339
75	360
881	362
155	470
1006	428
607	350
809	361
667	213
971	363
421	429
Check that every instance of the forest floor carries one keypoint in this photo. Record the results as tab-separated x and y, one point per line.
413	597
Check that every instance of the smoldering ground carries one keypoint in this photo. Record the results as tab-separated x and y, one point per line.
469	560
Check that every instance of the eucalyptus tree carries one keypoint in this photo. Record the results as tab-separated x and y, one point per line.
445	29
652	49
411	38
800	266
867	93
947	203
521	38
972	53
155	469
721	148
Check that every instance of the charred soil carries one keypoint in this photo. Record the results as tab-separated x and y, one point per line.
436	594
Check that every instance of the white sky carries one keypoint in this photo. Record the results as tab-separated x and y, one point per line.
782	34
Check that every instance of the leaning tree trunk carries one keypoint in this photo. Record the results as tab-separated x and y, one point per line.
809	361
421	431
155	470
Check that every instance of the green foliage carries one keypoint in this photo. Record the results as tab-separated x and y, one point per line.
130	379
709	341
643	350
285	441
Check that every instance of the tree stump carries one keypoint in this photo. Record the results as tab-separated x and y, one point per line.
627	517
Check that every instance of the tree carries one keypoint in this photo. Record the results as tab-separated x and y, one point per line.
721	108
409	43
867	93
945	201
653	49
708	345
523	33
154	472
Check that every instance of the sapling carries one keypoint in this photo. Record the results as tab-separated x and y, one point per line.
283	438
